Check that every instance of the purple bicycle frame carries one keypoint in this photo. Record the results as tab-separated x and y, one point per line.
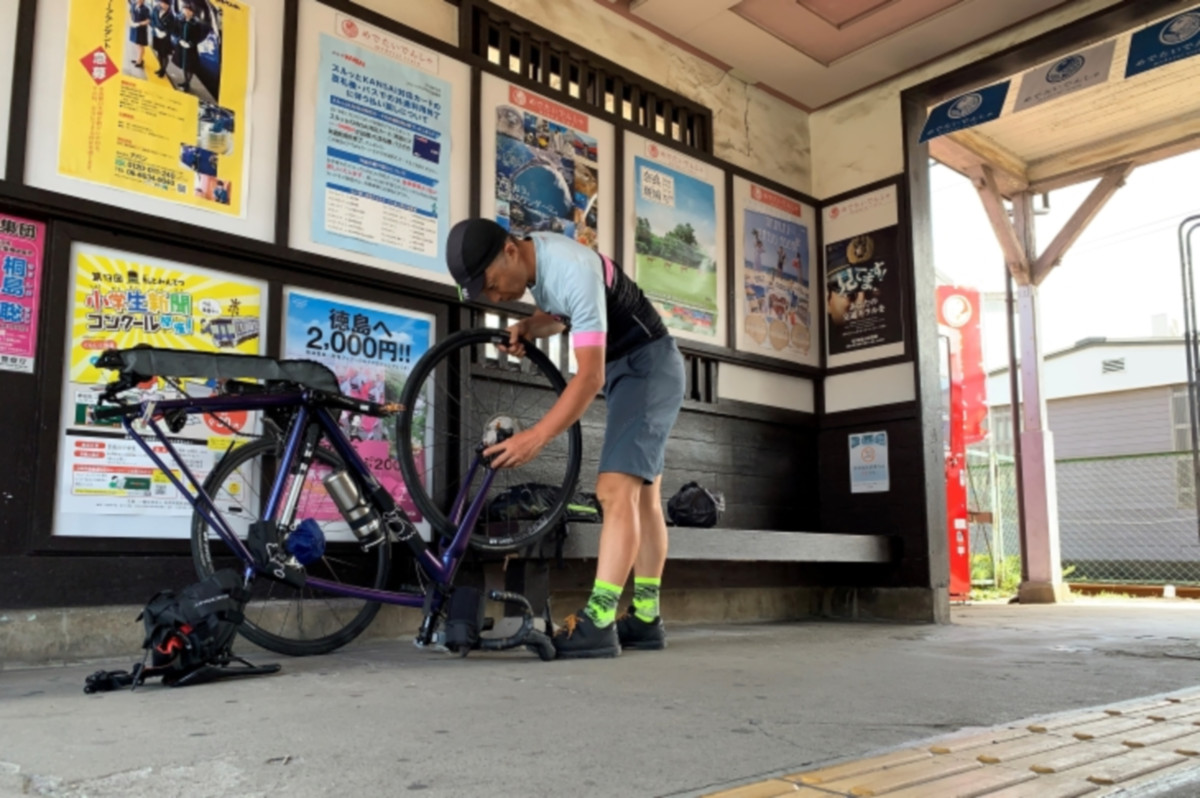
440	566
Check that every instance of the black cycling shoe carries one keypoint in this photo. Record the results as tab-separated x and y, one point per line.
633	632
580	638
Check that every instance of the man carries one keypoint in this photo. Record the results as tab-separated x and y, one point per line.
622	346
162	27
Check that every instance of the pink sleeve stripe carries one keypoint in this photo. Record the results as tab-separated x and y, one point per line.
608	271
580	340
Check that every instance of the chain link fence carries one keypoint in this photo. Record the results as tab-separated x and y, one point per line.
1122	520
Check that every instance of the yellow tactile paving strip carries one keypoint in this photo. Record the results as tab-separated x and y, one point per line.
1093	753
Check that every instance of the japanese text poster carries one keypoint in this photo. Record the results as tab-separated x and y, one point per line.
382	154
775	252
156	98
22	245
869	463
371	348
677	259
107	485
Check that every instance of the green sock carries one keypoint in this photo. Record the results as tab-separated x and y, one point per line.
602	606
645	597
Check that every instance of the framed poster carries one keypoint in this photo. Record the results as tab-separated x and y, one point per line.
8	38
381	156
864	282
675	237
22	259
107	486
371	348
165	108
776	247
545	166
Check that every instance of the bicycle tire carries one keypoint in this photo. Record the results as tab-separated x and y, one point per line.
447	353
251	628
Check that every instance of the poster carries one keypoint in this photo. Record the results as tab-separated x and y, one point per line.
546	166
1164	43
968	110
22	245
869	463
1067	75
371	348
864	284
155	99
107	486
381	159
678	256
775	253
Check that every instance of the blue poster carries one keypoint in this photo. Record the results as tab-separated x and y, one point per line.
776	298
1164	43
966	111
382	157
371	349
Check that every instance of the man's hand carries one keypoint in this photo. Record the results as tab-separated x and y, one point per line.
515	333
517	450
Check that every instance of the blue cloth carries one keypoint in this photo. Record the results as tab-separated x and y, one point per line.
570	285
644	393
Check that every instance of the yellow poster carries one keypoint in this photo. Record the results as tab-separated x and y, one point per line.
121	300
155	98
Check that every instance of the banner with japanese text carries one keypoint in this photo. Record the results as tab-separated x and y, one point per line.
381	160
156	97
107	486
22	248
371	348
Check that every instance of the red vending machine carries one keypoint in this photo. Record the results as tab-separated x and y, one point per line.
964	411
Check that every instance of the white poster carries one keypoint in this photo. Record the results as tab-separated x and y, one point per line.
863	285
869	463
675	206
8	37
774	269
381	157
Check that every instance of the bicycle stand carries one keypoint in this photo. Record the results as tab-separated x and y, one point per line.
465	623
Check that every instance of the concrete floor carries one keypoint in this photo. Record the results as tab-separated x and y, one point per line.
721	706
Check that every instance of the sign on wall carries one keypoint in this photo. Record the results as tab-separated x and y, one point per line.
381	162
676	252
775	246
864	283
22	248
8	37
107	487
545	166
967	110
1066	75
1164	43
869	463
371	349
155	100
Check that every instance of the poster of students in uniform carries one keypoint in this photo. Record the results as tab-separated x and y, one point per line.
546	167
155	99
775	250
677	250
371	349
863	287
107	486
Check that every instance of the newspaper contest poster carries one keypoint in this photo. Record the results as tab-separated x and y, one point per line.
382	153
156	99
108	487
371	348
677	230
22	246
775	256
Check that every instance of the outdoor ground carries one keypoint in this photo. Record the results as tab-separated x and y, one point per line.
682	284
722	706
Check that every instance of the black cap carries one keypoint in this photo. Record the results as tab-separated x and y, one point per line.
472	246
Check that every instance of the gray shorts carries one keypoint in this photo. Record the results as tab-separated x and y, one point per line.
644	392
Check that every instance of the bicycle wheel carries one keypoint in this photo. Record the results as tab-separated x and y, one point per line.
494	387
279	617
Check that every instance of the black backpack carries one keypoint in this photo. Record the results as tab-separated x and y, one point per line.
694	506
188	636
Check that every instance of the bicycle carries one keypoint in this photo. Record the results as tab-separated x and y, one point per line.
259	506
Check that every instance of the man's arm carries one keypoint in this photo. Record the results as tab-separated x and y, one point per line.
569	408
539	325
